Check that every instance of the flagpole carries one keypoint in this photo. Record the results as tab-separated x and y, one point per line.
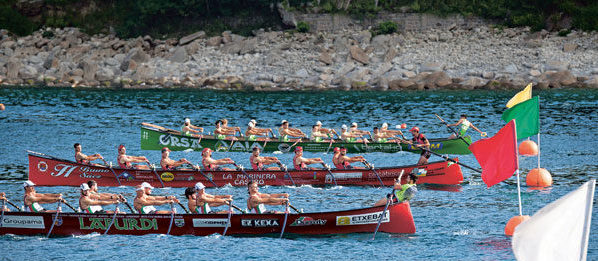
539	133
518	182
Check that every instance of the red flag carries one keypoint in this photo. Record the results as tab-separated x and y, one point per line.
497	155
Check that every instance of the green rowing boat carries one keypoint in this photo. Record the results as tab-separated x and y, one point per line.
157	138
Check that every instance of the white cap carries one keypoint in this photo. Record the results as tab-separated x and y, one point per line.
146	185
187	120
199	186
28	183
318	123
283	121
84	186
354	124
253	120
251	124
385	125
344	127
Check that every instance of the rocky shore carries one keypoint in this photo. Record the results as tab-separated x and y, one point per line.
484	57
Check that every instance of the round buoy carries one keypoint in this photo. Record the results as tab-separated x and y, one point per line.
538	178
528	148
2	107
403	126
513	223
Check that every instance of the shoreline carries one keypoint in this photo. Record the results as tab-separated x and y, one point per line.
484	57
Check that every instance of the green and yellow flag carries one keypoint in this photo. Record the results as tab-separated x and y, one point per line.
527	117
521	96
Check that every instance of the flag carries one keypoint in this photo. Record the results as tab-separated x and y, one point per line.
527	116
558	231
497	155
521	96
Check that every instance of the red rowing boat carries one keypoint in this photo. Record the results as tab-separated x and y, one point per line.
397	219
50	171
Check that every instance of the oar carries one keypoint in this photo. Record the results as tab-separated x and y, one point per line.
159	127
453	130
69	205
230	212
294	208
55	218
329	172
286	215
366	163
183	207
329	145
113	218
2	215
283	167
111	170
13	205
389	199
452	160
198	168
243	171
238	208
171	218
156	173
129	206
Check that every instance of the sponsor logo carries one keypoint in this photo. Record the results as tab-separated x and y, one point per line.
126	176
210	176
23	222
119	223
210	222
167	176
58	222
362	219
284	147
343	176
184	142
308	221
419	172
259	223
179	222
42	166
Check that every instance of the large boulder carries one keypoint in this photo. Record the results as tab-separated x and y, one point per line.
214	41
12	69
89	70
558	79
248	46
179	55
189	38
325	57
27	72
51	61
433	80
134	57
231	48
359	55
104	74
569	47
556	66
592	82
431	67
473	82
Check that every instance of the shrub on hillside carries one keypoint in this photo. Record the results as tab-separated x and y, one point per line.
302	27
387	27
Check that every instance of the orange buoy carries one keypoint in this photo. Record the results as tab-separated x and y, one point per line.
538	178
403	126
2	107
528	148
513	223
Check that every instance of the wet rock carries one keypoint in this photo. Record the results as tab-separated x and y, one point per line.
27	72
359	55
488	75
535	73
189	38
592	82
104	74
558	79
12	69
431	67
89	70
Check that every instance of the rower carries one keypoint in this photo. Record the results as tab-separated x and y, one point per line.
335	158
345	161
257	200
464	125
347	136
126	162
191	196
258	162
94	194
3	199
419	140
318	136
330	132
222	133
188	129
355	130
381	137
32	199
84	159
286	132
403	192
252	132
204	201
233	129
167	164
300	163
212	164
391	133
144	202
90	205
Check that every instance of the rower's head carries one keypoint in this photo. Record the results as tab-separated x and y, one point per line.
463	116
337	150
252	187
376	130
224	122
187	121
385	125
354	125
315	127
84	189
121	149
218	123
251	125
343	151
298	150
206	152
414	131
412	178
146	188
29	186
284	124
200	188
165	152
319	123
190	193
77	147
344	128
255	151
187	124
93	185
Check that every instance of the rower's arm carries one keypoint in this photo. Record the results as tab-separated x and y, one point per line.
314	160
455	124
196	127
223	161
475	128
44	198
137	159
88	201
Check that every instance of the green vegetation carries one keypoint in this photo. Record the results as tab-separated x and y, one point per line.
164	18
388	27
302	27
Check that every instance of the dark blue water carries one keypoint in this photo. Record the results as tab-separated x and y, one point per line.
463	225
